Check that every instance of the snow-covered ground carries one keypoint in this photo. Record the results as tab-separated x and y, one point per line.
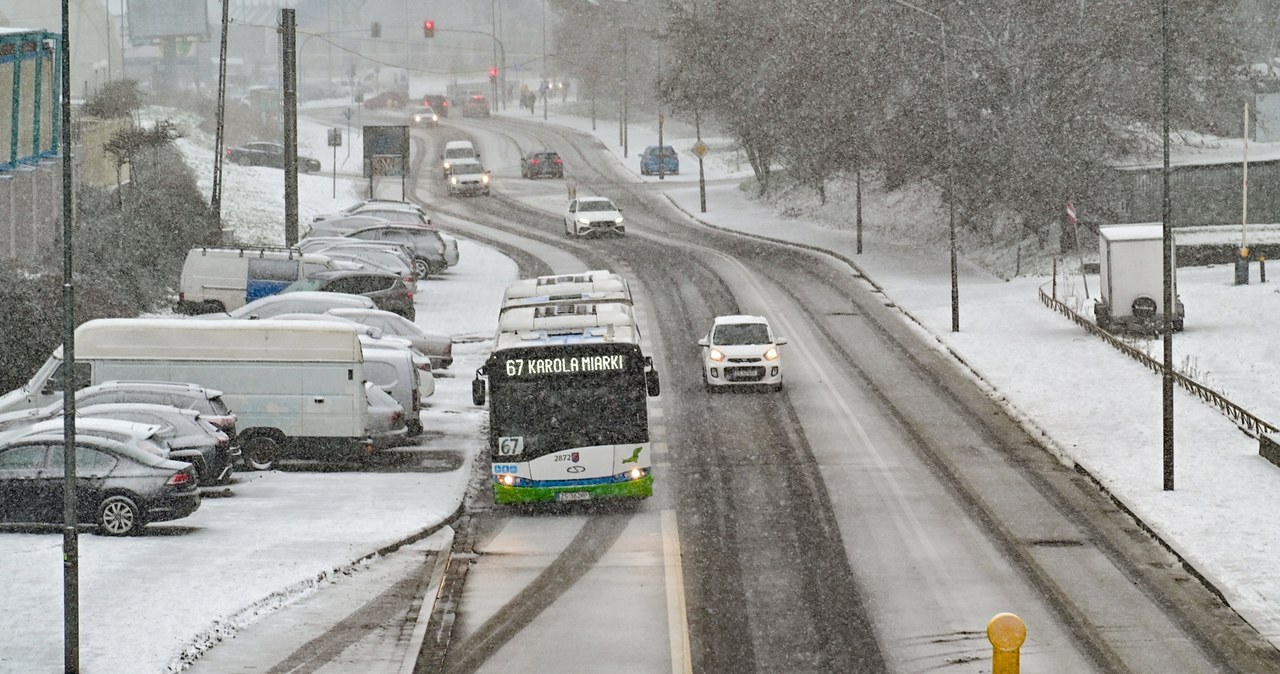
145	601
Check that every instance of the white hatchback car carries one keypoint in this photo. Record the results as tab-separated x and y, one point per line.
741	351
593	216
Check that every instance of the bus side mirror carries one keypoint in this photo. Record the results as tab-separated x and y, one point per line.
652	384
477	391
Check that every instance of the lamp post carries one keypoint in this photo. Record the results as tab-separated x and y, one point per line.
1166	379
545	69
951	204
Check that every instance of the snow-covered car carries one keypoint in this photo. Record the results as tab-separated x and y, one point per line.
741	350
593	216
425	117
468	176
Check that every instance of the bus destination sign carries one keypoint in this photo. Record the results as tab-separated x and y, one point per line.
533	367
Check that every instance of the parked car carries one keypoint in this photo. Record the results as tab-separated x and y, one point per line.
206	401
386	99
363	205
437	345
468	176
261	153
450	249
455	150
541	163
395	371
186	434
653	154
741	350
119	488
381	255
390	292
438	103
428	246
294	302
593	216
143	436
424	117
386	417
342	226
476	105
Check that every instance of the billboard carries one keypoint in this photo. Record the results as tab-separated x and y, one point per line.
153	19
386	150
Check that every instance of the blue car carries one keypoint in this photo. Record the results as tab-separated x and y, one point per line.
652	154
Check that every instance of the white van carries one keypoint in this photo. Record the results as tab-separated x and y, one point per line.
222	279
454	150
597	281
296	387
567	298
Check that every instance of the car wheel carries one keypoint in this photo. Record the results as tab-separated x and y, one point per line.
119	516
260	452
421	268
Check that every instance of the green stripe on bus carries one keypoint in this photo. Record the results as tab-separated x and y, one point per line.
642	488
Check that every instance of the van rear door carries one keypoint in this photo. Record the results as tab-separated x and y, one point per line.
268	276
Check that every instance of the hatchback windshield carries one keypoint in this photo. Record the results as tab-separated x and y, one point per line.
742	333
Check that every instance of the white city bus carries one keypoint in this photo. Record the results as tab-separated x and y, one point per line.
617	297
558	316
568	414
584	282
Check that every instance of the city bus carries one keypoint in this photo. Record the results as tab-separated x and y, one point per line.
585	282
568	414
555	316
616	297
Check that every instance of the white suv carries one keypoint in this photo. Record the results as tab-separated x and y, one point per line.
741	351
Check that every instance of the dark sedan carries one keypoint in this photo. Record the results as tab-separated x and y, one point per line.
542	163
389	292
268	154
189	436
119	488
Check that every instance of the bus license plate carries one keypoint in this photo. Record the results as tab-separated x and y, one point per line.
573	496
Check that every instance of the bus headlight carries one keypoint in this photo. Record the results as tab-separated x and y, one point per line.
635	473
771	354
716	355
507	480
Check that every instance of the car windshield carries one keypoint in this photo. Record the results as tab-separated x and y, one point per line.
600	205
732	334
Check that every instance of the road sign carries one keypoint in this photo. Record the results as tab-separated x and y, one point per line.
700	149
1071	212
335	137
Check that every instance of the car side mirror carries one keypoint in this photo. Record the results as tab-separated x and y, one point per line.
780	341
704	342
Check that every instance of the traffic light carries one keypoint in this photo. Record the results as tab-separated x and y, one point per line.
493	74
428	28
375	30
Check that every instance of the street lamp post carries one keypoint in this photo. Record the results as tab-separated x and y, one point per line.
545	69
951	202
1166	213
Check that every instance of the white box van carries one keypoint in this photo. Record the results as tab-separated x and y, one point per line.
222	279
296	387
454	150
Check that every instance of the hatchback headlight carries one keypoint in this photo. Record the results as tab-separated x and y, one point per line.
618	221
485	179
453	180
584	221
771	354
716	355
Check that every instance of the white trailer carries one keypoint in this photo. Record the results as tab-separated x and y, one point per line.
1132	279
297	387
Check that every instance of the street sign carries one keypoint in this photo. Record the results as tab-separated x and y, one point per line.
1071	212
700	149
335	137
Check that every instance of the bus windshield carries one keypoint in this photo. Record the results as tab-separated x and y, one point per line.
561	399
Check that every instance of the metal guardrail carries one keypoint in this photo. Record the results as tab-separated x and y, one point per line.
1247	421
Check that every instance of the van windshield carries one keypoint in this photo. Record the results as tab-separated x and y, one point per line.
459	152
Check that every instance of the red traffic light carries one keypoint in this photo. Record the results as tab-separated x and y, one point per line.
428	28
493	73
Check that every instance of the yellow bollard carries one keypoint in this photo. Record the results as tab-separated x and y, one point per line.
1006	632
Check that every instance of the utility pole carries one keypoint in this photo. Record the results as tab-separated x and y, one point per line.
70	516
215	202
289	89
